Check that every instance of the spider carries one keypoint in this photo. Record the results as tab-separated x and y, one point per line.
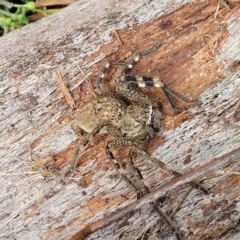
131	117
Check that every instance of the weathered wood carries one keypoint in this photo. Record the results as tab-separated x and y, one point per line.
199	58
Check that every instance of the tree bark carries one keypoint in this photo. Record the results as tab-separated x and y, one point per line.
199	57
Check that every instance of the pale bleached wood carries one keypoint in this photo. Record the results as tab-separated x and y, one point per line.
199	56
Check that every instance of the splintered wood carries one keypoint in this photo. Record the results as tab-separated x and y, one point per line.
199	58
64	89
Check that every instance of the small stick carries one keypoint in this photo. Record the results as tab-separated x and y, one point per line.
64	89
118	38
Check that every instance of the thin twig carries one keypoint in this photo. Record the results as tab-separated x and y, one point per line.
118	38
64	89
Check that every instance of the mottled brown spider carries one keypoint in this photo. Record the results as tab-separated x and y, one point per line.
131	117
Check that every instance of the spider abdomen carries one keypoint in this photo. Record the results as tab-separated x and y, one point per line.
103	109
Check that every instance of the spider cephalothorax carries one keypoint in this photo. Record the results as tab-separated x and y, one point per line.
130	116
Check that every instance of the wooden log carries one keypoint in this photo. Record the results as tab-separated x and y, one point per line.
199	58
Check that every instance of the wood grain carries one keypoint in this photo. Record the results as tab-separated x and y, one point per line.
199	58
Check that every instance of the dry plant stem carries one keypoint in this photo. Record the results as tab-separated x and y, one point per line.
118	38
47	3
64	89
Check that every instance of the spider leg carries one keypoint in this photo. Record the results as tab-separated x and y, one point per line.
105	68
162	165
102	75
128	66
171	101
179	204
95	131
143	188
137	57
168	92
117	167
174	93
136	97
167	219
132	82
151	50
132	155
